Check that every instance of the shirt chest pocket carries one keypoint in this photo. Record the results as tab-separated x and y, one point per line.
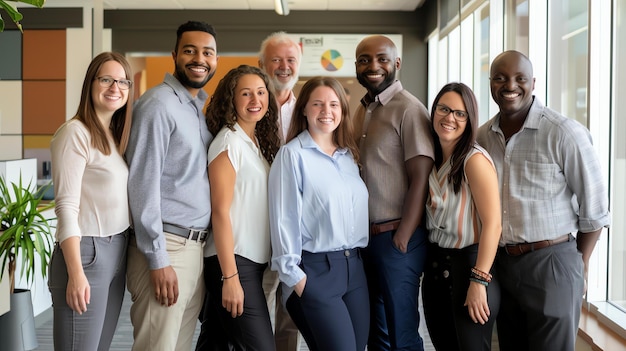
540	181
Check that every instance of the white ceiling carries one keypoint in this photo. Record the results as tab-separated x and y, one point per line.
294	5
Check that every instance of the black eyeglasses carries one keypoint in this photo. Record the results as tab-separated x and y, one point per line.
107	82
443	110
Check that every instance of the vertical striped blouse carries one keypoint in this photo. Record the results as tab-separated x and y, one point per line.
453	220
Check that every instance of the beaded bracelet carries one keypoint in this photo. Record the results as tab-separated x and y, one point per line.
230	276
479	272
481	275
481	282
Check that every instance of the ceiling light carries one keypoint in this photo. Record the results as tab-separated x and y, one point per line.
281	7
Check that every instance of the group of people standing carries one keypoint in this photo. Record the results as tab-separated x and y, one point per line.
202	213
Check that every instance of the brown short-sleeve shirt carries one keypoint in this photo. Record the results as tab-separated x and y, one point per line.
398	129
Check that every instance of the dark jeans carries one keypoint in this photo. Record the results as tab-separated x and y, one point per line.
394	282
330	314
444	289
248	332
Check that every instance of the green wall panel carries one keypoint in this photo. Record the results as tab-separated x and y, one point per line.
11	55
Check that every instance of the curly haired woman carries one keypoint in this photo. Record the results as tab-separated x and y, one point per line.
243	116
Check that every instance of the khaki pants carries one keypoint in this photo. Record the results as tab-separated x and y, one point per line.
162	328
286	333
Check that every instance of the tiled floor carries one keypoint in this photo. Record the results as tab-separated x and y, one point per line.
124	335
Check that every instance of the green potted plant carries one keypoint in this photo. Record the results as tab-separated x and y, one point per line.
15	15
25	234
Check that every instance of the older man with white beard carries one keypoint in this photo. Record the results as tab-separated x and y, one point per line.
280	58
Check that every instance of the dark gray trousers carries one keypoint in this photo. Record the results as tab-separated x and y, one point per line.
541	298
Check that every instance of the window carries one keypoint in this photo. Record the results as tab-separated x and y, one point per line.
617	242
568	58
467	51
454	55
563	40
518	29
481	62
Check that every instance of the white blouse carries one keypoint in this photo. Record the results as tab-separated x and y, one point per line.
249	213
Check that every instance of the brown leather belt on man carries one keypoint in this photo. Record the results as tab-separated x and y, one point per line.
384	226
520	249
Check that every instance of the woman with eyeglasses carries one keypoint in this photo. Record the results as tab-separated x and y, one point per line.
460	295
88	265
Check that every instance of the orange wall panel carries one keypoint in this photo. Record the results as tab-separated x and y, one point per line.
43	54
43	106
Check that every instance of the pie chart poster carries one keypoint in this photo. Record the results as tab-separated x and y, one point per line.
332	54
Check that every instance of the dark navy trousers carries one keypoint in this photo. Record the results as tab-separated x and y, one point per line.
394	283
332	313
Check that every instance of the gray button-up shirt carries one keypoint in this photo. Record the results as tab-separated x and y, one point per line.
550	178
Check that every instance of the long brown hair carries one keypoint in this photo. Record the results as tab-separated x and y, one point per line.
468	138
86	113
221	110
343	136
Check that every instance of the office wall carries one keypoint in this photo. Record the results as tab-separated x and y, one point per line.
51	94
32	89
241	32
33	80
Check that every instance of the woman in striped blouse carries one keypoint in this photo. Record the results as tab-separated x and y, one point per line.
460	295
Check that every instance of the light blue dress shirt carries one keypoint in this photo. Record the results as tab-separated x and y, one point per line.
318	203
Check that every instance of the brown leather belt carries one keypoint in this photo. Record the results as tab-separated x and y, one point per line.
520	249
382	227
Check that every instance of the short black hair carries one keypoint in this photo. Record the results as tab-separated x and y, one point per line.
194	26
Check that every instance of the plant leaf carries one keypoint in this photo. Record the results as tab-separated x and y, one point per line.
15	15
37	3
27	233
12	11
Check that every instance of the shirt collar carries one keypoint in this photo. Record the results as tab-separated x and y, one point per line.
242	134
183	94
292	98
385	96
307	142
532	119
534	115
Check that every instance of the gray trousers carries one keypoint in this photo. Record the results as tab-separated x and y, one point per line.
542	294
104	264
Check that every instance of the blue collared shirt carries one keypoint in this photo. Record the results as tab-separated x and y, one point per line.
318	203
167	157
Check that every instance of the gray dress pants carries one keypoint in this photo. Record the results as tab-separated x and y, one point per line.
104	264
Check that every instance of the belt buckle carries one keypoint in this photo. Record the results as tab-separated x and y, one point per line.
201	234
